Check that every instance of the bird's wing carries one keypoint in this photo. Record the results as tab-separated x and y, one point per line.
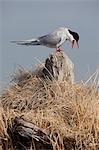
50	39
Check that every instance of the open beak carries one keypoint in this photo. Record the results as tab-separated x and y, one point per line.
73	44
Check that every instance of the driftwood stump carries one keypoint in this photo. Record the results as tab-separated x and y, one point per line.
26	135
60	67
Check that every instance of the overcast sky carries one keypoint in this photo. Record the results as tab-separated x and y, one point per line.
24	19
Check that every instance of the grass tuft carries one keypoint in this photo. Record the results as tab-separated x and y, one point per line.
69	114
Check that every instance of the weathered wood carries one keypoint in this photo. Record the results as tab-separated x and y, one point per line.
25	134
59	66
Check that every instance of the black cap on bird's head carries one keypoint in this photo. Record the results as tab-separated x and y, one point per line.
75	36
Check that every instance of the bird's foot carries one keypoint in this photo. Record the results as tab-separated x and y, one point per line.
58	49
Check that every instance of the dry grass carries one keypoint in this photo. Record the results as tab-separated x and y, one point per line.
71	111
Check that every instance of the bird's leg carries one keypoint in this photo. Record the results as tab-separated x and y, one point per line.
58	49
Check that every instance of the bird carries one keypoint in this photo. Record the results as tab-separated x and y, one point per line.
54	39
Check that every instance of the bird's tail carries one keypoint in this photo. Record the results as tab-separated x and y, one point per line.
27	42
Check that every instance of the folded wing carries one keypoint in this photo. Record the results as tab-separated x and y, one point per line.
49	40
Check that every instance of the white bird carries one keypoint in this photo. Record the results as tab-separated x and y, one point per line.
54	39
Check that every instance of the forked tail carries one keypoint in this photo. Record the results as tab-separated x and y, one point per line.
27	42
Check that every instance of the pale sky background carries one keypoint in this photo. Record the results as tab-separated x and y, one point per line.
24	19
